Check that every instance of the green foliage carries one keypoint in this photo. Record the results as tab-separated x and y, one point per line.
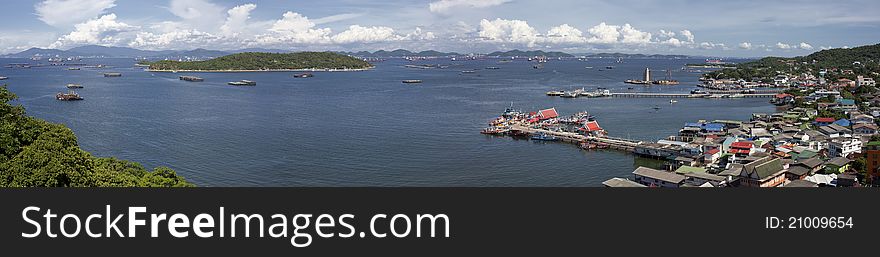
767	68
859	165
36	153
832	114
268	61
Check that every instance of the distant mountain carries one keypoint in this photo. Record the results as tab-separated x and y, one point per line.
108	51
513	53
260	50
400	53
38	52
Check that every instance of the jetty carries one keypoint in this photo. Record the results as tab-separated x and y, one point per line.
191	78
687	95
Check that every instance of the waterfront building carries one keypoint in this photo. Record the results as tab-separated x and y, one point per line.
823	121
764	172
657	178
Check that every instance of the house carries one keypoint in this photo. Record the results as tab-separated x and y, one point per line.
621	182
847	104
764	172
847	180
797	172
741	148
801	183
701	178
657	178
823	180
873	162
862	118
842	123
865	129
835	131
837	165
823	121
711	156
843	147
814	164
548	114
865	81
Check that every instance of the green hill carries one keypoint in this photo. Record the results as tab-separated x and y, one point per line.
862	60
37	153
266	61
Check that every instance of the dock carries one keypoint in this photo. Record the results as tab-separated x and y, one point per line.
621	144
686	95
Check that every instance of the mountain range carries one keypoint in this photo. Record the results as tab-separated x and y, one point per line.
120	52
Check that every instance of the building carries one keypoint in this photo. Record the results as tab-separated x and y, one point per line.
741	148
823	121
844	147
701	178
764	172
711	156
548	114
837	165
621	182
657	178
865	129
865	81
862	118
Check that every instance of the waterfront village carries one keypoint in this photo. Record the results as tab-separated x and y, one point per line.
826	137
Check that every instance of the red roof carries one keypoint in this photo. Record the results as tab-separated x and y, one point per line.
740	151
713	151
824	120
592	126
549	114
782	95
742	144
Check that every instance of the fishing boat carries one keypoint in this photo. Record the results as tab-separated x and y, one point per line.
191	78
518	134
74	86
543	137
303	75
69	96
3	78
492	68
412	81
112	74
468	71
73	68
492	131
672	101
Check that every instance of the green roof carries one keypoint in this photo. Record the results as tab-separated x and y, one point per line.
874	143
765	168
689	169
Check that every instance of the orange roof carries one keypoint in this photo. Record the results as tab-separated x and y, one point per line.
549	113
592	126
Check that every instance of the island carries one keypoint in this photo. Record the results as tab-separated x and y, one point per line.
256	62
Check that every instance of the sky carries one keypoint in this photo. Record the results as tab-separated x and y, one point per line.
735	28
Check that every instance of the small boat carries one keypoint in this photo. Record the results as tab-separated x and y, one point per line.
518	134
544	137
191	78
609	67
555	93
242	83
74	68
468	71
492	131
69	96
656	107
412	81
74	86
629	88
112	74
588	67
304	75
3	78
492	68
672	101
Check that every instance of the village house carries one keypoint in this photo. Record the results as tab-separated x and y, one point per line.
862	118
764	172
837	165
657	178
621	182
844	147
823	121
701	178
863	81
865	129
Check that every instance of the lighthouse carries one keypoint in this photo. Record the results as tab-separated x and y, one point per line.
647	75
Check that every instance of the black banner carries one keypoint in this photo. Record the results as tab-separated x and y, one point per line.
485	221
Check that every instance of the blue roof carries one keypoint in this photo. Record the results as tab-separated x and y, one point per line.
846	101
843	122
693	124
713	127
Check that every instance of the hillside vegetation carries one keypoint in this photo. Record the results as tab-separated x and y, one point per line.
862	60
37	153
267	61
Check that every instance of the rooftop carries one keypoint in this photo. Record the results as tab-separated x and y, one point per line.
659	175
621	182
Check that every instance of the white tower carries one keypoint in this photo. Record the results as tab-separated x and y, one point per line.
647	74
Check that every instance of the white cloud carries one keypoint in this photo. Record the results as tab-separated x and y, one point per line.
781	45
443	6
668	34
237	20
337	18
102	31
513	31
604	34
745	45
419	34
633	36
806	46
712	45
688	35
360	34
67	12
565	34
199	14
182	39
295	28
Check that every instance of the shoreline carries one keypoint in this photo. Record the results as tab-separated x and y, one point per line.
275	70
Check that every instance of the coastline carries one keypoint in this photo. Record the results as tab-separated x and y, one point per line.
274	70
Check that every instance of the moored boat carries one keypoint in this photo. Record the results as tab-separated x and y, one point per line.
69	96
303	75
74	86
412	81
543	137
242	83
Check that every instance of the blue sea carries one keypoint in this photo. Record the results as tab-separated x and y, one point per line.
362	128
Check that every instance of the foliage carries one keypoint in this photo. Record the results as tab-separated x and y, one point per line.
832	114
861	60
37	153
859	165
267	61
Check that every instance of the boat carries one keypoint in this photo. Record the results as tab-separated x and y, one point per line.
304	75
72	86
191	78
629	88
493	131
609	67
73	68
543	137
573	94
69	96
412	81
468	71
112	74
672	101
492	68
518	134
555	93
242	83
589	67
3	78
538	66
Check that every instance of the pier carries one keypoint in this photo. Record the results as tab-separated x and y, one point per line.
621	144
686	95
